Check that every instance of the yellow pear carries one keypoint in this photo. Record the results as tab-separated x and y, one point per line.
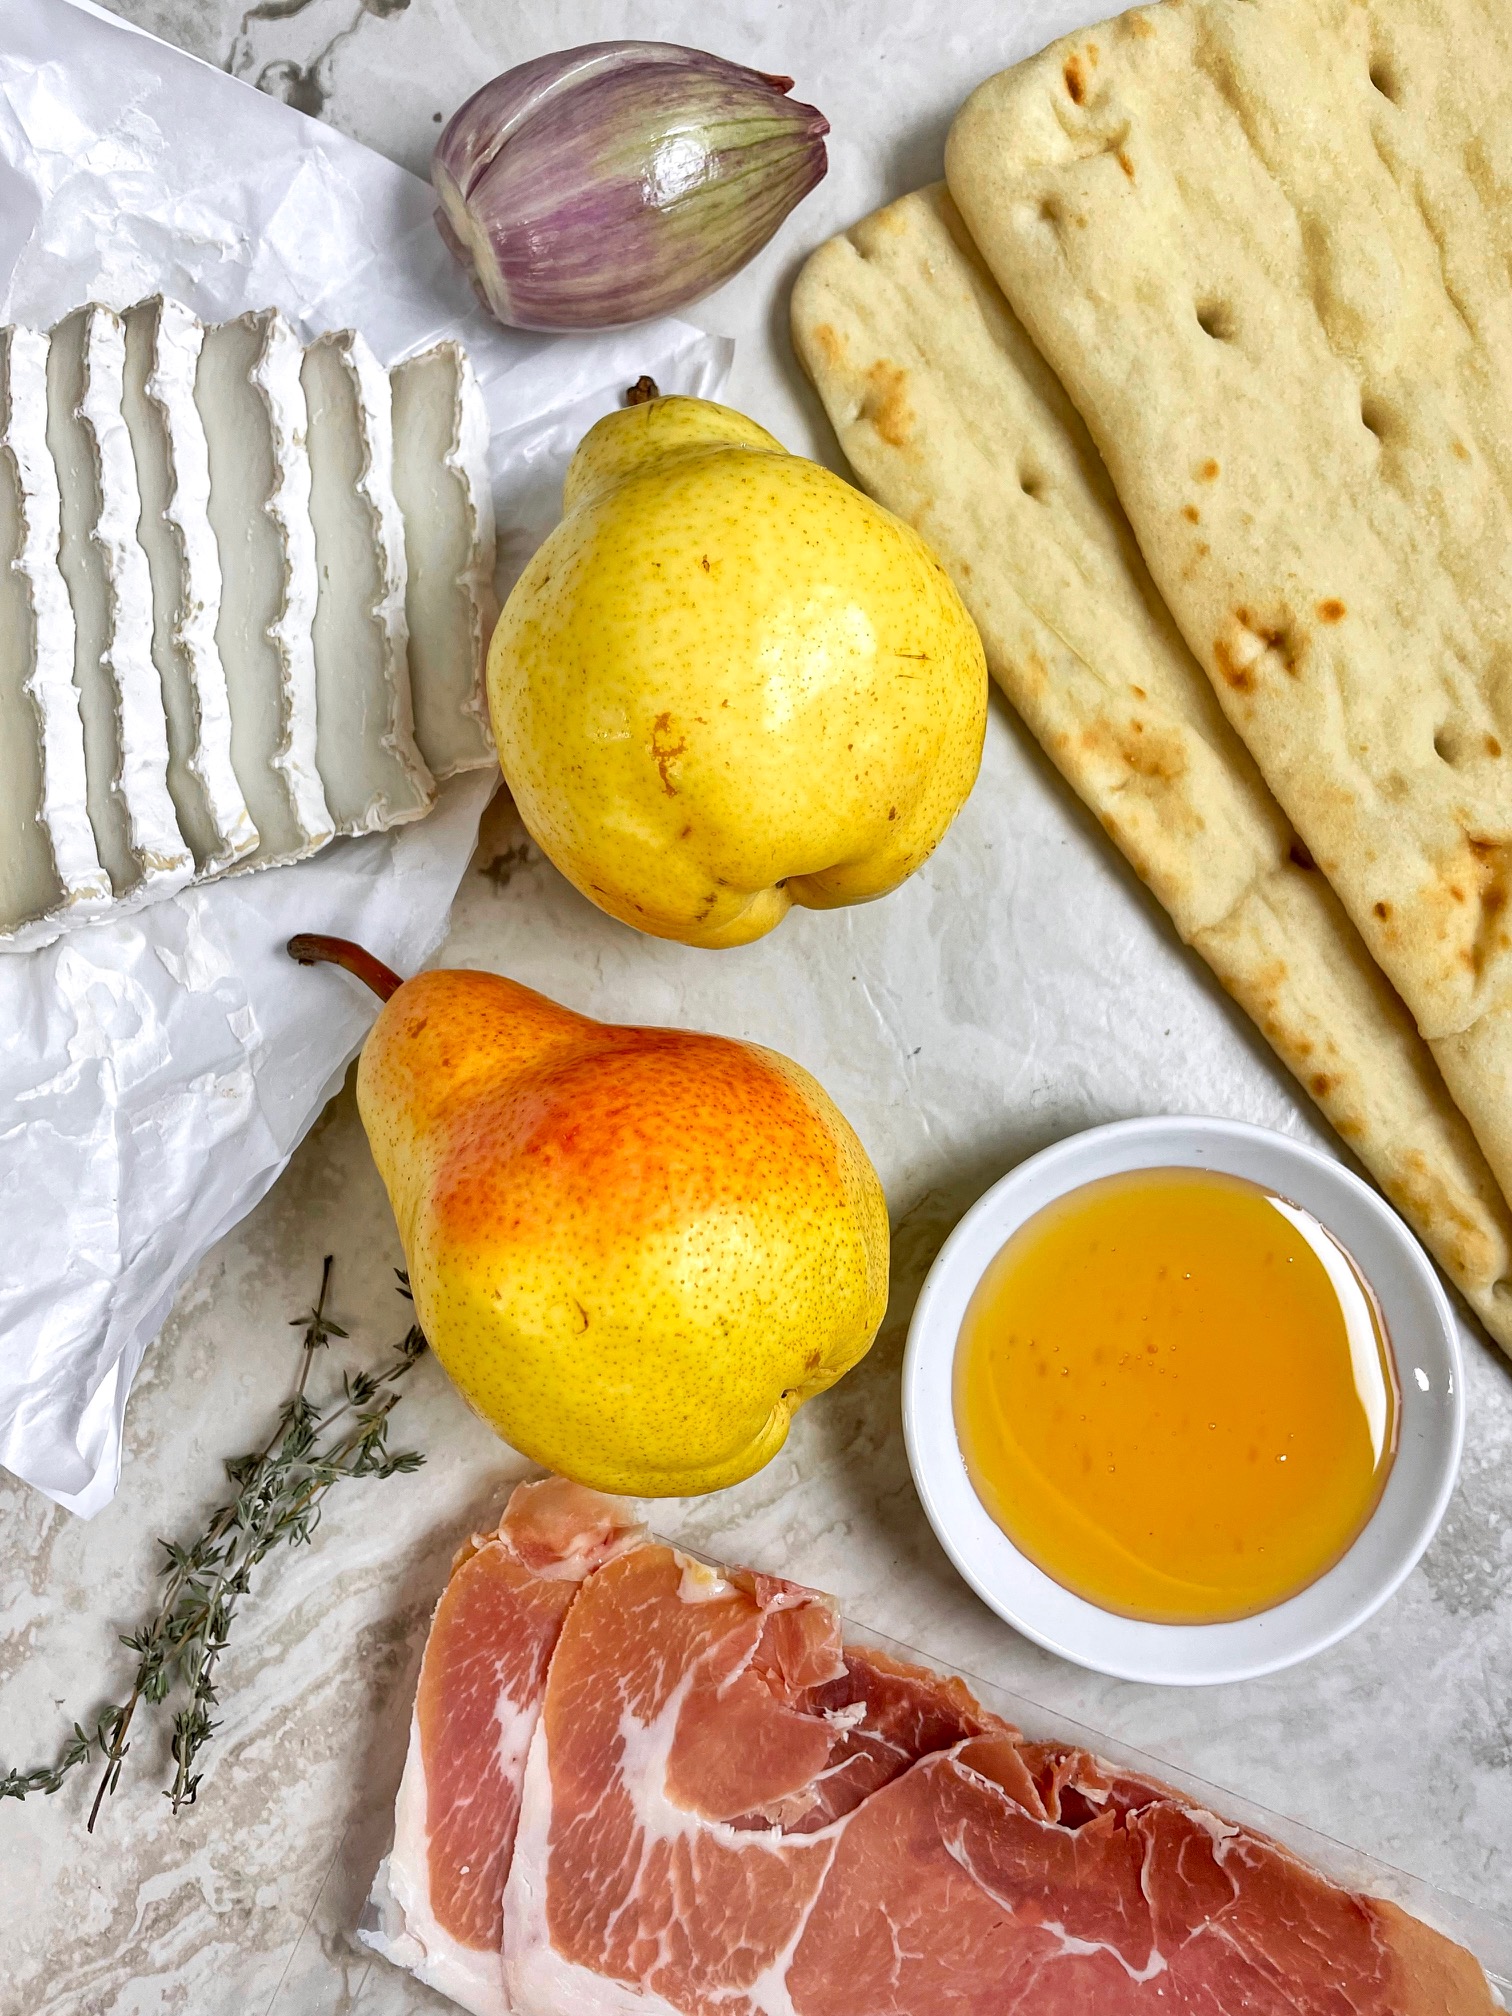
729	682
636	1251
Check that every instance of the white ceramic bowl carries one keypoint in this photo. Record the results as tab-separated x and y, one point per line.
1424	1337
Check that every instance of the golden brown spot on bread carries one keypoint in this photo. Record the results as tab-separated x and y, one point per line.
1160	757
1458	447
886	404
704	563
1076	83
1383	911
1137	24
1138	692
1493	747
1331	611
1320	1084
1240	677
1207	472
1125	163
1191	514
1274	636
829	343
1493	875
1298	855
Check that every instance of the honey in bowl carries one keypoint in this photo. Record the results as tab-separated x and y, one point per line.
1175	1394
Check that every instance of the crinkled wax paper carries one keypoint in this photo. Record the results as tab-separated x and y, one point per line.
156	1073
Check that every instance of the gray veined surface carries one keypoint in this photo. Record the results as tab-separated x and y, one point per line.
372	770
250	399
441	476
49	865
163	343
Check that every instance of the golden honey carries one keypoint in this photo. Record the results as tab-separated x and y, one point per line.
1175	1394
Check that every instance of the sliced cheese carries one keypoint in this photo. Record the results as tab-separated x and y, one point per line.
173	471
249	396
373	773
125	733
441	476
49	866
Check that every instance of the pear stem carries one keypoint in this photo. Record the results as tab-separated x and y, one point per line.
313	948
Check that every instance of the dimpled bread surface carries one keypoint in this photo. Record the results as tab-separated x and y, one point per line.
951	418
1265	246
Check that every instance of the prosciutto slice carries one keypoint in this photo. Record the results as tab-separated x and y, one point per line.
438	1897
638	1785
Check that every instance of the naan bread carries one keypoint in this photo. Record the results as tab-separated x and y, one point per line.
1265	246
951	418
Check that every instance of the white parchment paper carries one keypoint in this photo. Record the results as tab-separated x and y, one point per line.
156	1073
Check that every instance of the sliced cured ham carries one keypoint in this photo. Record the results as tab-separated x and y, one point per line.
438	1896
717	1773
639	1786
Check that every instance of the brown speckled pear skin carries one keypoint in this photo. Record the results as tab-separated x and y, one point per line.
730	682
635	1251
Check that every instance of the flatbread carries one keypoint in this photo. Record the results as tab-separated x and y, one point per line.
951	418
1265	246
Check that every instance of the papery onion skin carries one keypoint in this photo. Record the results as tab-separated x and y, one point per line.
605	185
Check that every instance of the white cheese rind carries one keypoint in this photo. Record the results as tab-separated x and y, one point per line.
277	378
163	342
82	571
249	397
156	840
373	773
441	476
49	866
125	733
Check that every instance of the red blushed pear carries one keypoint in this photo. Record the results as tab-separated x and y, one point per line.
636	1251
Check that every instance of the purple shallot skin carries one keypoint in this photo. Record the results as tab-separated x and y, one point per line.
606	185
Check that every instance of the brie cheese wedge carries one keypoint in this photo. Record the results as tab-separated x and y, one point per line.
249	396
49	866
173	472
441	476
246	594
373	773
125	733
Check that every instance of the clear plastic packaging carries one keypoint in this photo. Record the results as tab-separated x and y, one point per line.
1488	1937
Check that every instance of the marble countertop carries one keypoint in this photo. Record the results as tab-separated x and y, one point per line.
1021	986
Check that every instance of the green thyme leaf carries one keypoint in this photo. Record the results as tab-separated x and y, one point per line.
280	1492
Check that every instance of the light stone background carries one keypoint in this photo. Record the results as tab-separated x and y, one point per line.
1020	987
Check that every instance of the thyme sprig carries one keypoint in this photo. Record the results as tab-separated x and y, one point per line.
280	1492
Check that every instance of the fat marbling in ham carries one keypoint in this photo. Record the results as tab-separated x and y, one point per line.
639	1785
